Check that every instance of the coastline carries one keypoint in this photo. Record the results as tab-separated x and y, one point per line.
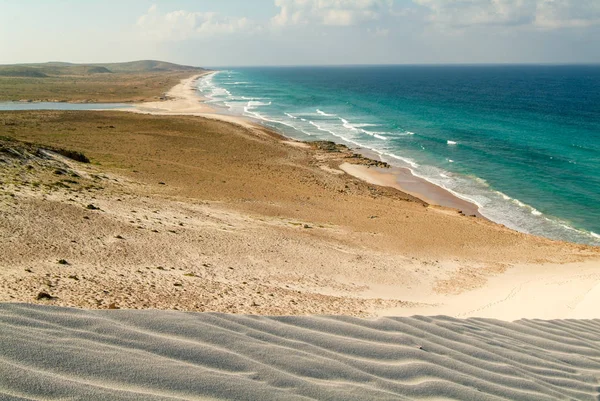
457	185
184	99
202	214
182	247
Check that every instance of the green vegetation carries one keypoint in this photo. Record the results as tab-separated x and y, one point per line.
21	72
114	82
60	69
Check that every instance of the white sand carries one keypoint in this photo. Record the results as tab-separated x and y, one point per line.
544	291
184	100
56	353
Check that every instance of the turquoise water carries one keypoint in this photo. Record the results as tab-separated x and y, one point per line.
522	142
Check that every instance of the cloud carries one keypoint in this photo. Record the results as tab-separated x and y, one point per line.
181	25
379	32
549	14
329	12
567	14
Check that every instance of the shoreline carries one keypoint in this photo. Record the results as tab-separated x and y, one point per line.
185	100
172	251
203	215
393	176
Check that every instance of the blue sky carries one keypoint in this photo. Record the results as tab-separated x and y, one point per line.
297	32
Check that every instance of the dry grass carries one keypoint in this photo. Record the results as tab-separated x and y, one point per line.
97	88
217	161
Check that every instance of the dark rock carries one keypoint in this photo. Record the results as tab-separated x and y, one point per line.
329	146
92	207
62	262
44	295
69	154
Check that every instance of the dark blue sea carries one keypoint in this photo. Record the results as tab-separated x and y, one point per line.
521	142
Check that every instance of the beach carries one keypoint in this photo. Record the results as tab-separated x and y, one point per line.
300	200
184	99
525	159
169	251
205	212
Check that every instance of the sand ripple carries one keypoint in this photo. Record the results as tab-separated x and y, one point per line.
60	353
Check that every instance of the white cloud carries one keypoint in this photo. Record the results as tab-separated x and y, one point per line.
181	25
479	12
549	14
379	32
329	12
570	14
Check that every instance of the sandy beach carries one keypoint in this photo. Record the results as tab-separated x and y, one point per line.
283	245
300	200
184	99
204	212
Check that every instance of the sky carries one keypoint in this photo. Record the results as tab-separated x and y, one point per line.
215	33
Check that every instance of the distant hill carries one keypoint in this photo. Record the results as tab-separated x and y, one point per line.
21	72
147	66
54	68
96	70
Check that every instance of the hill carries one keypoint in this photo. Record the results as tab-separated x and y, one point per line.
44	70
21	72
133	81
147	66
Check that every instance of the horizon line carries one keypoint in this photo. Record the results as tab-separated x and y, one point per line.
440	64
549	64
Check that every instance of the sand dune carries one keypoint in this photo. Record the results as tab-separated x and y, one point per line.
58	353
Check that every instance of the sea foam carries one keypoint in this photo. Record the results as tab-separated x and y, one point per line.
325	114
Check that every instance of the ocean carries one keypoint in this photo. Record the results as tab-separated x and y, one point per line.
521	142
